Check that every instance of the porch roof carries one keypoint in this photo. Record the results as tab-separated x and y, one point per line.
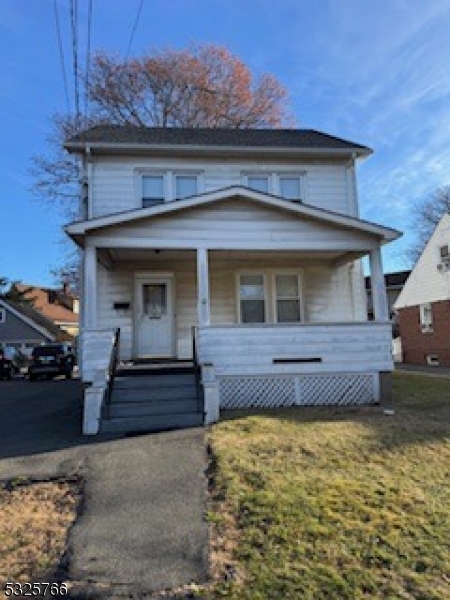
80	229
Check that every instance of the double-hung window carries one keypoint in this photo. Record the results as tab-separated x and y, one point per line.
185	186
290	187
259	183
287	298
153	190
426	317
252	298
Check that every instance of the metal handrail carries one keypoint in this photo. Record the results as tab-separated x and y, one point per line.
197	369
112	368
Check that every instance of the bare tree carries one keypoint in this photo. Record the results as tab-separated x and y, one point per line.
201	86
427	215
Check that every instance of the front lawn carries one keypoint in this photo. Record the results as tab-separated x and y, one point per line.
341	503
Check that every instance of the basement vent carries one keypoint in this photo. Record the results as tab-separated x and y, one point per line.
432	360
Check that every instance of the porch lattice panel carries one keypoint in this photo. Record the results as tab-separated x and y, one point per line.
308	390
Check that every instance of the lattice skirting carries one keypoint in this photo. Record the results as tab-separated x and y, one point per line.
270	391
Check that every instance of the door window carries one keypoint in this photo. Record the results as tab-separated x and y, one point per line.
154	300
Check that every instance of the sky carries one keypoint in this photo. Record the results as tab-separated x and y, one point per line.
372	71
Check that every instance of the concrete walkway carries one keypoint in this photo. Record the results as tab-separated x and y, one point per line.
142	525
423	370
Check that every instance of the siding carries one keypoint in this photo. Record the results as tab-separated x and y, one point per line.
327	294
115	185
426	283
15	331
235	223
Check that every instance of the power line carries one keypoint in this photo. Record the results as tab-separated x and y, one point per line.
61	55
88	63
74	26
133	31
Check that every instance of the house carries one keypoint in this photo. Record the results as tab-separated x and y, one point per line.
238	249
60	306
424	304
23	327
394	283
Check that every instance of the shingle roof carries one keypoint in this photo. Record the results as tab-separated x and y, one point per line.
54	311
239	138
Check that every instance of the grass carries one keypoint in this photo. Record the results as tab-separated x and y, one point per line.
342	503
34	522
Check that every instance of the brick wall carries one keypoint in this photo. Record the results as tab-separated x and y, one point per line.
415	344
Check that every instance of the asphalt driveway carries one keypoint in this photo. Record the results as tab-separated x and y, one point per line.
142	527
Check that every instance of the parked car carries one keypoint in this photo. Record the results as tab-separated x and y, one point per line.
9	362
50	360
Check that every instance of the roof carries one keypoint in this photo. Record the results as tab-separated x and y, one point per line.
392	280
78	229
37	320
282	139
56	312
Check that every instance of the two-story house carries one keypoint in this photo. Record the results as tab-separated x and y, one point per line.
244	241
423	305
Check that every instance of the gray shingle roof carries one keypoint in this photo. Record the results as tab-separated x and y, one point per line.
296	139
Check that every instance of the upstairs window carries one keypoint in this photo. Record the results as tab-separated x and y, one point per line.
252	299
443	251
185	186
290	187
152	190
426	317
259	183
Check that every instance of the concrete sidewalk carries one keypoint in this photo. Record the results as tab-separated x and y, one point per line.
143	527
423	370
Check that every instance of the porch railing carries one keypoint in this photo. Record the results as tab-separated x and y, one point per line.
197	369
112	368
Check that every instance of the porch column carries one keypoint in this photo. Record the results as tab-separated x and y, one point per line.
90	287
203	310
378	286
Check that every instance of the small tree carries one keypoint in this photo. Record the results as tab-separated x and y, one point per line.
427	215
14	294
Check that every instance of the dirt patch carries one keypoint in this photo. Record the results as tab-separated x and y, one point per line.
35	518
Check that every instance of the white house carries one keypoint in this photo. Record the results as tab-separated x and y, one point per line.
424	303
247	240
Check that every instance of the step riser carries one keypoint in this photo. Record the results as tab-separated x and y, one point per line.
152	424
146	395
155	382
153	409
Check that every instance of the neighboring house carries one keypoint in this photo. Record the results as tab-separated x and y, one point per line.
424	304
23	327
252	238
61	306
394	283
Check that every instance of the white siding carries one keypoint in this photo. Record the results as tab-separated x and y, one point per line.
327	293
426	283
236	223
115	185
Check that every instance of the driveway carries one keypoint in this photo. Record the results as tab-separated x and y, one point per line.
142	527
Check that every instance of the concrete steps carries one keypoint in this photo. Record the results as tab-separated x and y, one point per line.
152	399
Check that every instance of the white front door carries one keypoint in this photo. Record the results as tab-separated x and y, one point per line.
154	317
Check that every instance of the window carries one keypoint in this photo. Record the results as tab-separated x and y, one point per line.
260	183
290	187
2	316
432	360
287	295
252	299
152	190
443	251
185	186
426	317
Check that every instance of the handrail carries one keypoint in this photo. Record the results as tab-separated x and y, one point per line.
197	368
112	367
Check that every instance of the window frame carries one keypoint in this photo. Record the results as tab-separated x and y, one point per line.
169	182
274	181
299	275
426	325
240	274
301	176
262	175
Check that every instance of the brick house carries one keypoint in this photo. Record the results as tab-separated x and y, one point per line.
424	304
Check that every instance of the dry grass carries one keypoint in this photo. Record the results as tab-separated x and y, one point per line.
34	522
336	503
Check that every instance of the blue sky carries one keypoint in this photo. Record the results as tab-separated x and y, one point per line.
374	71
